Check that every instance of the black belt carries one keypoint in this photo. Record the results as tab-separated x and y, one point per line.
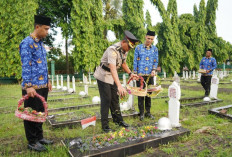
104	67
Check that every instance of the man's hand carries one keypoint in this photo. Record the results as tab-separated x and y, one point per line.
49	86
134	76
122	91
31	92
153	73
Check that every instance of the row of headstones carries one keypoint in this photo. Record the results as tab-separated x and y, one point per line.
60	85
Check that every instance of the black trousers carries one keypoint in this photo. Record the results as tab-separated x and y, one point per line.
206	83
109	100
34	130
147	99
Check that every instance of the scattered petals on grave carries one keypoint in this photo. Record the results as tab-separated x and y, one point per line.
114	138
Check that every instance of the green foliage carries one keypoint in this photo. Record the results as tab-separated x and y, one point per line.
169	45
148	21
88	28
16	21
134	22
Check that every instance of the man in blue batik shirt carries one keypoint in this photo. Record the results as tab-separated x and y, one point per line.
145	64
207	63
35	79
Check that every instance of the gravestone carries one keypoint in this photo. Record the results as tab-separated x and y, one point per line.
186	77
73	83
194	74
124	80
183	75
190	74
221	75
90	79
199	77
53	82
86	90
175	73
154	79
174	94
214	87
57	82
68	82
61	81
165	75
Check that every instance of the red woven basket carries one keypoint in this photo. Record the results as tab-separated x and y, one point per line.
138	91
30	116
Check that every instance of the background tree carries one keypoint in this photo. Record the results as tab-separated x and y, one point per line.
17	22
60	12
148	21
134	22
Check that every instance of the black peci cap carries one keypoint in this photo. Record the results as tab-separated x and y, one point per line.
210	50
150	33
42	20
132	40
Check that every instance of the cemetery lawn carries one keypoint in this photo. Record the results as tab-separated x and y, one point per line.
210	135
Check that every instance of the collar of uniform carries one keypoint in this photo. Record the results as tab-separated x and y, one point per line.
208	57
124	52
34	38
147	46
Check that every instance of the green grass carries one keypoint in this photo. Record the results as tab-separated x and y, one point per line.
216	140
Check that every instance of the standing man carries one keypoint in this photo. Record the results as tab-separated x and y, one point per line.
207	63
109	85
145	64
35	79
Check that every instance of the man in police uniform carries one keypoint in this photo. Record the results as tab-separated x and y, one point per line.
35	79
145	64
207	63
109	85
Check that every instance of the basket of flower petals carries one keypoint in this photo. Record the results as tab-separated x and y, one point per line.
202	71
138	91
154	90
28	113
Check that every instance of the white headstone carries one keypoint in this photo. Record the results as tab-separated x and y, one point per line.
214	87
53	86
68	82
154	79
199	77
183	74
186	75
124	80
174	94
190	74
221	75
96	100
194	74
90	79
165	75
73	83
86	90
175	73
127	105
57	80
61	81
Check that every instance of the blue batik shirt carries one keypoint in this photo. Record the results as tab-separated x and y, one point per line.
145	59
208	64
34	63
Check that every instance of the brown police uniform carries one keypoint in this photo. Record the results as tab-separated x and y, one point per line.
107	87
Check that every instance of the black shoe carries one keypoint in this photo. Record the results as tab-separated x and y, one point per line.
37	147
148	115
122	123
106	129
141	117
45	142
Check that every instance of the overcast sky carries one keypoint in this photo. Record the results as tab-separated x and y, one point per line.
223	21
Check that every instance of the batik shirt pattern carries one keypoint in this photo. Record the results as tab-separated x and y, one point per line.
208	64
145	59
34	63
